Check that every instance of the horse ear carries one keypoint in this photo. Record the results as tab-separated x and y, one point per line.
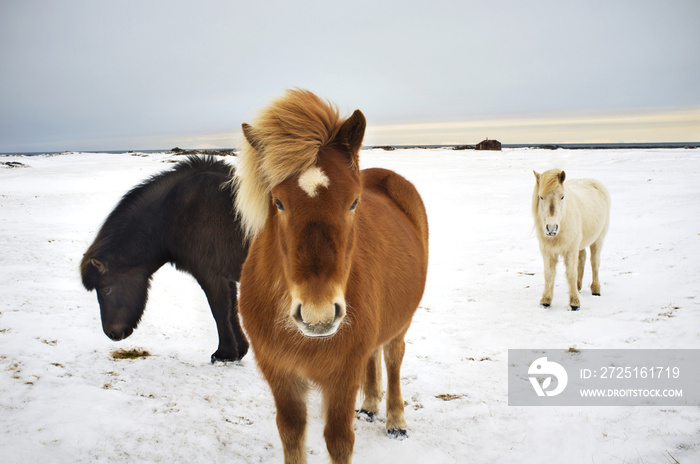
99	265
351	134
91	269
562	176
249	134
537	176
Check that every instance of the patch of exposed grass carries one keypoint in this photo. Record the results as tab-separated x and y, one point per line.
448	397
134	353
671	311
480	360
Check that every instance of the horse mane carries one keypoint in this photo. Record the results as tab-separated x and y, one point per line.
111	234
549	180
283	141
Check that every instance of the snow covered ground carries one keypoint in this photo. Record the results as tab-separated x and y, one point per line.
64	399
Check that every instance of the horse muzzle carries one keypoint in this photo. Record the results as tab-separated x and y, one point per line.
318	321
117	332
551	229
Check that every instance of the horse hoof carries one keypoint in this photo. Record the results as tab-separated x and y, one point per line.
397	434
596	294
575	308
366	415
544	305
216	357
242	351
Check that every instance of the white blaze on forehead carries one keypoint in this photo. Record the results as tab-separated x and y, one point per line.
312	179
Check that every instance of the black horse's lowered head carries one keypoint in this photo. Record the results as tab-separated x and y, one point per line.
121	294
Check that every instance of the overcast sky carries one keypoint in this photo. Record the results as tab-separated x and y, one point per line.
107	75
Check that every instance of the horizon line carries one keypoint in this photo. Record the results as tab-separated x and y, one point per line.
642	126
547	146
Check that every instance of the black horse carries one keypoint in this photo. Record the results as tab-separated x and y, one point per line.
185	217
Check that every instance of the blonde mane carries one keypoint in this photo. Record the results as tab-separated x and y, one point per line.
283	141
549	180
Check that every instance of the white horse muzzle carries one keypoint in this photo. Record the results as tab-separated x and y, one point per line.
551	230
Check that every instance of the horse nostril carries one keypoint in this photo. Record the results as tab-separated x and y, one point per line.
115	335
338	310
297	314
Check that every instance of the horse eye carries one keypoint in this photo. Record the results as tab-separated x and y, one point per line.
541	198
562	197
279	204
354	204
106	291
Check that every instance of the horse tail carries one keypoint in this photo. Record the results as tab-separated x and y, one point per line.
404	194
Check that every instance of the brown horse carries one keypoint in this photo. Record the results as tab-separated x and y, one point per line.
336	268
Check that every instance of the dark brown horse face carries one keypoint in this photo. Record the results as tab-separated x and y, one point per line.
122	297
314	215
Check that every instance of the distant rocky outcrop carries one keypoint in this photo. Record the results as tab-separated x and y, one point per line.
214	152
13	164
489	145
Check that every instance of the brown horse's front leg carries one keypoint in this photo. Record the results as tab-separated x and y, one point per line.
339	404
393	356
372	386
290	399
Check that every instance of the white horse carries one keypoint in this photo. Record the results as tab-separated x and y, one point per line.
569	218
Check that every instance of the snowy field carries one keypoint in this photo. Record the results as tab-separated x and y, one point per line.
64	399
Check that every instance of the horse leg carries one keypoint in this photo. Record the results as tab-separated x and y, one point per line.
581	265
571	263
595	264
238	335
219	297
393	357
290	400
339	406
550	270
372	386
